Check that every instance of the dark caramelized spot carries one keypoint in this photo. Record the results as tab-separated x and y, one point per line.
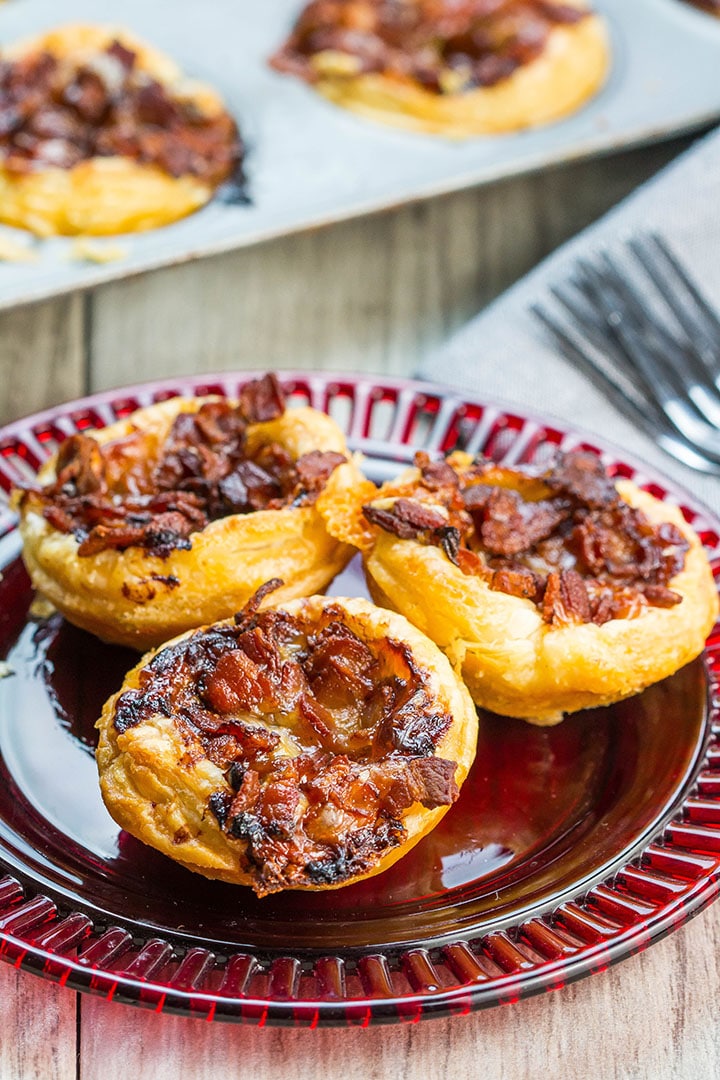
236	774
133	493
134	707
323	739
52	117
561	537
447	46
354	853
219	802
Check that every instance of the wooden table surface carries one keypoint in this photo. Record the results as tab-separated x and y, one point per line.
372	295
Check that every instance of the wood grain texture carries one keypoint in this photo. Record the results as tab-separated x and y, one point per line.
38	1024
42	356
377	294
652	1017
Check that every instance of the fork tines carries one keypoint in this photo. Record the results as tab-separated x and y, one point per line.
639	328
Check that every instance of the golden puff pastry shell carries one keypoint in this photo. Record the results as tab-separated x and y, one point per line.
103	196
159	792
570	70
516	664
138	599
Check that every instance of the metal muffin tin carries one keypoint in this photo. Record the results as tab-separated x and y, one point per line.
310	163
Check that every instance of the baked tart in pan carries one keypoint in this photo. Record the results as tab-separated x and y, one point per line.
307	745
174	516
552	588
101	134
451	67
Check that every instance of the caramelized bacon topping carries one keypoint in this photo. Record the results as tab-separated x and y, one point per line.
323	738
53	114
561	537
132	493
447	46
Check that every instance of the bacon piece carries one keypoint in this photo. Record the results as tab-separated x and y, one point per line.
279	807
115	537
508	525
59	518
389	522
262	399
125	56
245	617
220	425
154	106
603	607
246	796
434	781
248	487
622	543
314	469
429	780
561	13
318	718
675	549
418	515
163	534
339	667
566	599
476	496
661	596
239	685
80	465
583	476
471	564
259	644
435	475
88	96
223	750
517	582
407	518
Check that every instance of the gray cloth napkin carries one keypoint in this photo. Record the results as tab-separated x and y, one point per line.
504	353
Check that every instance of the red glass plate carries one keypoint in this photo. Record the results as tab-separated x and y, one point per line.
569	848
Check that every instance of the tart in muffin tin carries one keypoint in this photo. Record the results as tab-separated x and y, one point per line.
102	134
453	69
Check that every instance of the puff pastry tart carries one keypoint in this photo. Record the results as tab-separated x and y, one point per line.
100	134
553	588
305	746
452	67
174	516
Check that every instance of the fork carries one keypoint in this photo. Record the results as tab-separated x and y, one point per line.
640	329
